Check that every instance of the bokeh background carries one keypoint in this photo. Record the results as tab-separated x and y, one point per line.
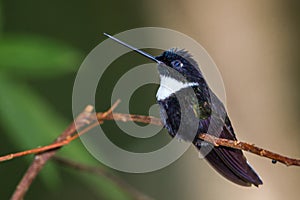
254	43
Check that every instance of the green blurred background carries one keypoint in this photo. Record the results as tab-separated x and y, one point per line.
254	43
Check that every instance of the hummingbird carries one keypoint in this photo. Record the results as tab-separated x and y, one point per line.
187	104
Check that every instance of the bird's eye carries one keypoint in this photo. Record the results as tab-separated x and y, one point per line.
177	63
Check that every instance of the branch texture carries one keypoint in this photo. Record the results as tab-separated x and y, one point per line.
211	139
41	159
87	120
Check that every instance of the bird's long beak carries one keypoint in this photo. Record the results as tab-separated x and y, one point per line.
134	49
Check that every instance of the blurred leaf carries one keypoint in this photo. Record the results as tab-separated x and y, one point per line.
26	116
37	56
28	121
1	18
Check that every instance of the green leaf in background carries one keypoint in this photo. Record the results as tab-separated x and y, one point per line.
1	18
27	118
36	56
29	121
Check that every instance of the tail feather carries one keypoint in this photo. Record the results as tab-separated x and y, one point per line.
218	164
231	164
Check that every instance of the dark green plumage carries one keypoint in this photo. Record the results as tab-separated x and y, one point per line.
201	108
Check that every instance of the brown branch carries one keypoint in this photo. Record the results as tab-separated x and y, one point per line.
211	139
250	148
41	159
46	152
155	121
66	140
130	117
104	173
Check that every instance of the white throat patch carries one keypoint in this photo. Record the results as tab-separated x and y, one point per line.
169	86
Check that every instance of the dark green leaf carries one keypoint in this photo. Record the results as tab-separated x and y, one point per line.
29	122
37	56
1	18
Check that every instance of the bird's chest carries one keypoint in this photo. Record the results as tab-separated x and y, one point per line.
178	117
170	114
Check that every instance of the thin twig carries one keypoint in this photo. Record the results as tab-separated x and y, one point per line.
66	140
250	148
211	139
104	173
43	154
46	152
41	159
155	121
130	117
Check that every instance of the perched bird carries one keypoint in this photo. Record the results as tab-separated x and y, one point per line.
189	107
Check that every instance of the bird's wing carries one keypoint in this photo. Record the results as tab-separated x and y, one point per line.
229	162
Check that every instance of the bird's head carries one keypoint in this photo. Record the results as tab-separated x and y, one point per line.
179	65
